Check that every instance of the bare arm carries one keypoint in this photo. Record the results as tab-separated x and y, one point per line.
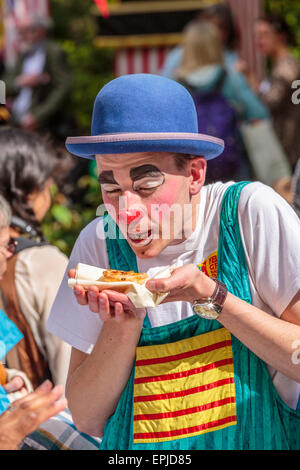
102	376
270	338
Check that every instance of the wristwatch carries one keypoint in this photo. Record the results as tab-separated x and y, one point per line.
211	307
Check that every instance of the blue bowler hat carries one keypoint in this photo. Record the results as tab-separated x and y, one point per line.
144	113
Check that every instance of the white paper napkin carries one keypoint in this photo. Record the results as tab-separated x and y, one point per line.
139	295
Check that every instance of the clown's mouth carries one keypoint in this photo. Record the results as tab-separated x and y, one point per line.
140	238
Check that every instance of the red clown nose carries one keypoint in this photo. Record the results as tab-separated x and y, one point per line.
128	216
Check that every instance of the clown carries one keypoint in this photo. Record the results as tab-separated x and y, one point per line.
210	367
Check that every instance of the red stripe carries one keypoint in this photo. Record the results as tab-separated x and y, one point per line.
185	373
161	57
176	357
130	59
183	393
116	68
179	432
195	409
145	59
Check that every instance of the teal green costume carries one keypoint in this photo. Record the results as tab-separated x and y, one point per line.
259	418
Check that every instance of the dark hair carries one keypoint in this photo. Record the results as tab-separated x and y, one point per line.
223	14
280	26
181	160
27	161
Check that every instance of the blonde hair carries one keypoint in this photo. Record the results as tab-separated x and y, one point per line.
201	46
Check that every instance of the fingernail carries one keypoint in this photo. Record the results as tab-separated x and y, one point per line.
45	384
93	294
151	285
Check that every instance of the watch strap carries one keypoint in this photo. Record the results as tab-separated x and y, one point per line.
220	293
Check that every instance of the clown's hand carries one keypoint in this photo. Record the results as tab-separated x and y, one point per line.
108	304
186	283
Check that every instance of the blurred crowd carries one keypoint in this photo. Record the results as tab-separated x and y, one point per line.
259	123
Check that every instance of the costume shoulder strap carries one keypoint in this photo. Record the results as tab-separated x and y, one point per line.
120	255
232	266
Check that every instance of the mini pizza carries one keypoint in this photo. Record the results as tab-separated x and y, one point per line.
113	275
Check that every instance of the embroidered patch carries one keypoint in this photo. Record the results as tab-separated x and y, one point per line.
209	266
184	389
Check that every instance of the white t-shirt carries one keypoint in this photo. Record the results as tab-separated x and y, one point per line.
270	233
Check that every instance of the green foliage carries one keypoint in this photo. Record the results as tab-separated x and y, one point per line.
65	220
290	10
75	28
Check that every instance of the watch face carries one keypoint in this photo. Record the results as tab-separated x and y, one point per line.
206	310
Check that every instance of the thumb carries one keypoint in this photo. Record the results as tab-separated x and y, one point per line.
72	273
163	285
158	285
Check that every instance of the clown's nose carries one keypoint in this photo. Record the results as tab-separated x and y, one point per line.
128	216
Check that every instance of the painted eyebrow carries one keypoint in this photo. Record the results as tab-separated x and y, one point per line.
144	170
107	177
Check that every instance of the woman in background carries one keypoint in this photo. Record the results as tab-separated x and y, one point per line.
220	16
274	38
222	96
28	288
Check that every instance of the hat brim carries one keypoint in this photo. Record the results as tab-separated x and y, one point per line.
190	143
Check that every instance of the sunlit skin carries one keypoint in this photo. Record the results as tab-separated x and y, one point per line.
144	197
40	201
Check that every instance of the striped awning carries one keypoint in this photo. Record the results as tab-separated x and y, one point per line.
143	32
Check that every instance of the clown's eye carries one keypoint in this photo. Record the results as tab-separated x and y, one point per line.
148	184
111	188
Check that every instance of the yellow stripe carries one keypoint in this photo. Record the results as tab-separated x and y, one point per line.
168	386
185	421
204	431
183	365
53	439
154	6
185	345
195	380
181	403
138	40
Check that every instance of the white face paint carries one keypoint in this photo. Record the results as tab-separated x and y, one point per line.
146	194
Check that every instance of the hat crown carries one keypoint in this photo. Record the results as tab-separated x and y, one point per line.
142	103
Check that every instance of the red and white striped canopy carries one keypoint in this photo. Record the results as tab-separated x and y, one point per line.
150	59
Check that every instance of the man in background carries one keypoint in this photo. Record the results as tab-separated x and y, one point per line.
39	84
